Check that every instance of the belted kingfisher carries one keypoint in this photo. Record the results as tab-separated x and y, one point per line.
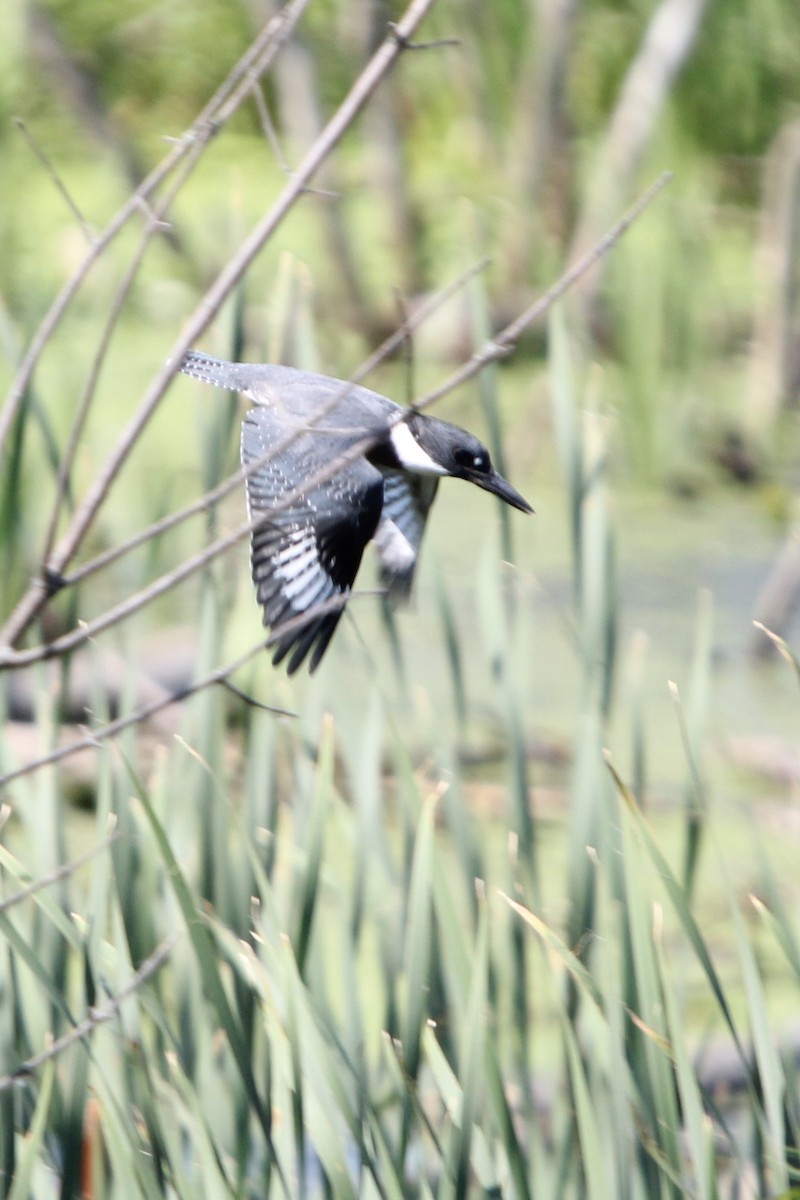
310	550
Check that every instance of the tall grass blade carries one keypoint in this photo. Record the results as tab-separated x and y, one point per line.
449	1086
593	1164
28	1160
208	964
487	391
692	725
778	922
327	1110
470	1063
307	888
41	967
700	1165
566	429
518	1163
12	529
130	1169
559	951
771	1080
76	1104
452	644
782	647
682	911
637	709
51	910
647	1045
417	959
369	833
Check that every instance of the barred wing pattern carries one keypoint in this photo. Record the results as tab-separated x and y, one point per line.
309	551
406	502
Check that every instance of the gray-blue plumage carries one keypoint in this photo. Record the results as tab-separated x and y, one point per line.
309	550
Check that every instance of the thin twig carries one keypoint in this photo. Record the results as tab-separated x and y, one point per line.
56	179
240	694
399	337
496	348
408	344
219	675
62	872
226	281
97	1016
435	44
104	732
203	130
269	131
154	224
504	342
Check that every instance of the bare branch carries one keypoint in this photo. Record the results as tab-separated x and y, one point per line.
222	105
497	348
269	131
504	342
154	223
104	732
62	872
58	182
228	278
436	44
247	699
399	337
97	1016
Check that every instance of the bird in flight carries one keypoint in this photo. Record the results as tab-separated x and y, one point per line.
342	466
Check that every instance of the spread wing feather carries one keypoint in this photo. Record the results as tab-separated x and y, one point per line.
406	503
305	553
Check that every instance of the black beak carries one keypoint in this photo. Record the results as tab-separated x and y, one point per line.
498	486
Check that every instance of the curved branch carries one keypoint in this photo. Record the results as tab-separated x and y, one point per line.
493	350
97	1016
220	107
226	281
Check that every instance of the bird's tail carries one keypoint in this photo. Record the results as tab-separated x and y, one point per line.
214	370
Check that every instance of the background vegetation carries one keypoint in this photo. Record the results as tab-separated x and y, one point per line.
507	905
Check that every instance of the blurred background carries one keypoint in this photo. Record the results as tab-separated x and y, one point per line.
651	419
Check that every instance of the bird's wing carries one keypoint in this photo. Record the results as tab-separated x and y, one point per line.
308	552
407	499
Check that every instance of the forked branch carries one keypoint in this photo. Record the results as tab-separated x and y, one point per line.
374	72
494	349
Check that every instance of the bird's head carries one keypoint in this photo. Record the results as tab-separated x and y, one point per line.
464	456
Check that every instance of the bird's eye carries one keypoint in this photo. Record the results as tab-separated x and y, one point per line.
473	460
